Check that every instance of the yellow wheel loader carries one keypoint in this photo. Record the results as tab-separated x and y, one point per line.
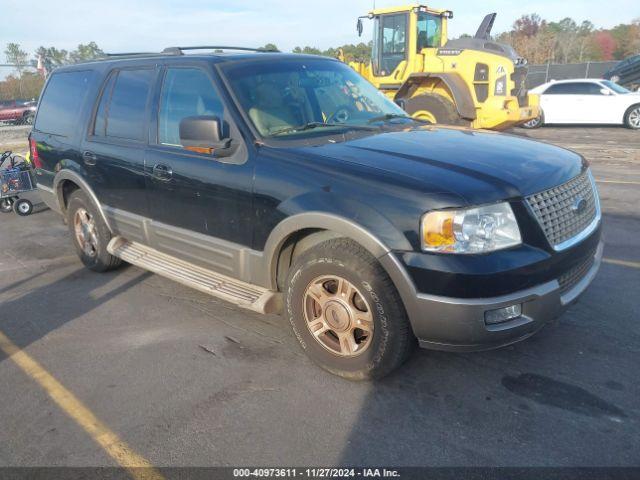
471	81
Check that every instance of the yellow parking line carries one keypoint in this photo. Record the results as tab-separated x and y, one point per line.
67	401
623	263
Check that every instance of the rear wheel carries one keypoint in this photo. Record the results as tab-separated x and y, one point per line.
23	207
435	109
346	312
632	117
90	233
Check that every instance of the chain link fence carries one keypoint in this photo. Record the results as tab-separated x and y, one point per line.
539	74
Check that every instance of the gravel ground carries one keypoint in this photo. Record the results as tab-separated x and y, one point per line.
14	138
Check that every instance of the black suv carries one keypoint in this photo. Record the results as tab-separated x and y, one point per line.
288	183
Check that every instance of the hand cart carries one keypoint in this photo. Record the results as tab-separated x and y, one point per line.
17	186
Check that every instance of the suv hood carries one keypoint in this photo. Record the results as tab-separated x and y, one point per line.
479	166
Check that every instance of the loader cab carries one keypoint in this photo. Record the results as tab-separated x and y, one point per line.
400	35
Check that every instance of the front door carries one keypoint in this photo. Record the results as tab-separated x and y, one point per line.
200	205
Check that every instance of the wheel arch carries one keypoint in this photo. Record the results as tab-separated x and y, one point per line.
299	232
67	181
454	82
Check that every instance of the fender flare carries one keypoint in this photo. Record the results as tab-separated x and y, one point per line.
322	221
454	82
74	177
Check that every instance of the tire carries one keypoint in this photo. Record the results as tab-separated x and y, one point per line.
442	110
375	351
534	122
632	117
23	207
28	119
93	253
6	205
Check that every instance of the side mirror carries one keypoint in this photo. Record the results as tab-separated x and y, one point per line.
203	134
359	27
605	91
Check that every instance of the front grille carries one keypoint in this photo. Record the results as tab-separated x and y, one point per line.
570	279
565	211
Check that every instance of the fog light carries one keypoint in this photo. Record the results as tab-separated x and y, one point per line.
491	317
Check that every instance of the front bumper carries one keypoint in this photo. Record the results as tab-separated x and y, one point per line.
445	323
501	113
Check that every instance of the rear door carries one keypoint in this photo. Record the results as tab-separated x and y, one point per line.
568	102
113	152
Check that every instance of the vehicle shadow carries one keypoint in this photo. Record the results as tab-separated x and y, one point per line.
31	312
565	397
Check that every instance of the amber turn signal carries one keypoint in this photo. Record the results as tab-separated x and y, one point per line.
437	229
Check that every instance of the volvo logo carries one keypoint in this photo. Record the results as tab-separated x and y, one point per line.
579	205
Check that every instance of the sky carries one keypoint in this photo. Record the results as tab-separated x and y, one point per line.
151	25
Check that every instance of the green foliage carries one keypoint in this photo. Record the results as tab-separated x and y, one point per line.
15	55
359	52
269	46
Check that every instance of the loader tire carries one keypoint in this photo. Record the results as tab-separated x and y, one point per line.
436	108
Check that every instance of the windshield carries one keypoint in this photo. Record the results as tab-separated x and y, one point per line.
307	97
615	87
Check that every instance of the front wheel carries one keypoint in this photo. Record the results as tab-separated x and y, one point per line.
90	233
632	117
434	108
346	312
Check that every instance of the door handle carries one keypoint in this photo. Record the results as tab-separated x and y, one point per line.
162	172
89	158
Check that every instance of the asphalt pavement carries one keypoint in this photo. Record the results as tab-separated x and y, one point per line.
187	380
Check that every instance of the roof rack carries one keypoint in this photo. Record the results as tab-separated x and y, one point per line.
128	54
179	50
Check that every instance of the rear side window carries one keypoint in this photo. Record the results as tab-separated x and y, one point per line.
582	88
62	101
186	92
122	109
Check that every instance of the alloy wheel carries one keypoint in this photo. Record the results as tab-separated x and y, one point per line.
634	118
85	229
338	316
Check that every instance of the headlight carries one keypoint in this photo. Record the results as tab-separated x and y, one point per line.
472	230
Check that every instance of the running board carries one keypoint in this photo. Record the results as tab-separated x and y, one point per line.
245	295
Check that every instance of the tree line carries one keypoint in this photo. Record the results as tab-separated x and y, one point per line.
567	41
534	38
26	81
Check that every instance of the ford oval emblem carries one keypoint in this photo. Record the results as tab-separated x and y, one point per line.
579	205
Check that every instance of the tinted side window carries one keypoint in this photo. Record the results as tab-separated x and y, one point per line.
62	101
100	125
126	111
582	88
186	92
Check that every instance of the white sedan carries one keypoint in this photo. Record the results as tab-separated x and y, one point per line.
586	101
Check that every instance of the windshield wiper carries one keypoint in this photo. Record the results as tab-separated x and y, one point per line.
312	125
393	116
